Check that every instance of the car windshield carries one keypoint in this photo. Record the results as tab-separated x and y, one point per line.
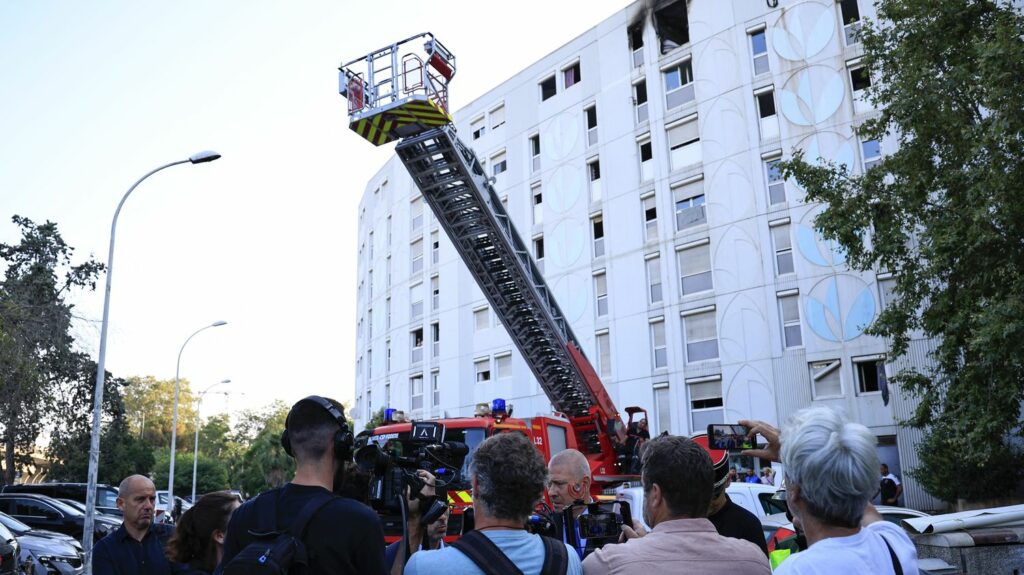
65	508
13	524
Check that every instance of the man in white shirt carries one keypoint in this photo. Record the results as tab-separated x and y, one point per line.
830	478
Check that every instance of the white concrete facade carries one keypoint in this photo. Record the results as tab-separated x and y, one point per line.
694	280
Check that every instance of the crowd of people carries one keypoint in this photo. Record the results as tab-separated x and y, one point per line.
831	474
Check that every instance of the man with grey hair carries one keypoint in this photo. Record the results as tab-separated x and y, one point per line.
830	466
568	481
678	478
507	474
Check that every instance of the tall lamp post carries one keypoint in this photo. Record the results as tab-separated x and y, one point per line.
94	444
174	419
195	451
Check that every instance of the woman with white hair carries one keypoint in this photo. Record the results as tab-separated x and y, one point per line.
831	475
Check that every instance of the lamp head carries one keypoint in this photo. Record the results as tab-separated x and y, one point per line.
226	381
201	157
218	323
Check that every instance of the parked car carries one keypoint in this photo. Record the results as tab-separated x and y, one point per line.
778	528
106	496
180	506
42	512
756	498
10	551
44	551
81	507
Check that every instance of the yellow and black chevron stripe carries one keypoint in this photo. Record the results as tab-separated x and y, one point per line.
459	497
380	128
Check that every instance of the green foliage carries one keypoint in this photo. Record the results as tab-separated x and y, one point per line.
121	454
149	405
211	473
376	420
215	436
943	213
263	463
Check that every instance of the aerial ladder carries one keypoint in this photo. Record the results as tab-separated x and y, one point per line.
400	93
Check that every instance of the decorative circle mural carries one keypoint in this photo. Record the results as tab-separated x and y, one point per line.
803	31
839	307
563	189
560	135
814	248
564	245
810	96
571	294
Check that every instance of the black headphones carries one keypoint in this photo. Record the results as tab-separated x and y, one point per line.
342	438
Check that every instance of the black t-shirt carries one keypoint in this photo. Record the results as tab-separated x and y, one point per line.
344	537
735	521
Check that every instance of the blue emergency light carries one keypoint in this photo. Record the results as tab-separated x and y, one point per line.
389	415
498	406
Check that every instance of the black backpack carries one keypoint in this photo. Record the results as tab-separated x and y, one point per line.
276	552
492	561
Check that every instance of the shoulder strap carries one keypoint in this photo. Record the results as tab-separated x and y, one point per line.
556	557
485	554
896	567
309	511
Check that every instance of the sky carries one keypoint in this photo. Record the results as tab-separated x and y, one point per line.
95	94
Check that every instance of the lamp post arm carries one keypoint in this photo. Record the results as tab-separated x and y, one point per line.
94	445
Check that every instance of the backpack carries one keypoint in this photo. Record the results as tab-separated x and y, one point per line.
492	561
888	489
276	552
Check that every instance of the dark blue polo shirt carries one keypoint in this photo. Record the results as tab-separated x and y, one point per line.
120	554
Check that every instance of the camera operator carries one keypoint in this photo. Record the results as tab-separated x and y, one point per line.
678	479
419	536
568	482
831	476
507	475
341	535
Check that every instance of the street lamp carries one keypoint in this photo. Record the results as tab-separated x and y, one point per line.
174	419
94	444
195	452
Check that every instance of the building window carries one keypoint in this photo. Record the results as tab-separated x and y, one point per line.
369	402
684	144
601	294
690	205
706	406
860	80
783	248
663	408
597	225
416	253
640	101
369	323
478	128
387	314
482	367
387	271
387	393
416	214
503	366
435	247
535	152
850	14
416	340
650	218
435	339
759	50
571	75
678	85
604	354
369	285
870	371
387	356
673	27
416	301
776	183
594	178
659	347
826	380
701	336
435	293
695	269
498	163
435	386
547	88
369	364
636	44
591	115
768	121
416	391
481	318
653	265
387	225
789	311
646	161
538	204
538	248
369	245
886	291
871	151
498	117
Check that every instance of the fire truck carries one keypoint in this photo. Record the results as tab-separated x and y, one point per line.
399	93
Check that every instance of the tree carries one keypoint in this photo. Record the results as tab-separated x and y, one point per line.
215	436
36	345
376	420
943	213
263	463
149	405
211	473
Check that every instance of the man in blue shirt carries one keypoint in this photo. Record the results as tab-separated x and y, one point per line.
137	547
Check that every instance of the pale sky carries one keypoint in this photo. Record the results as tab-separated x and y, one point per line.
95	94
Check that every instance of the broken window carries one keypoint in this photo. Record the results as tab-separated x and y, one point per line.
671	23
636	44
547	88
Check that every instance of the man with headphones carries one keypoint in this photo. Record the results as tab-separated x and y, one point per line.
340	535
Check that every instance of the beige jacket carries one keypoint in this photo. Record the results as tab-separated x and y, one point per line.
680	546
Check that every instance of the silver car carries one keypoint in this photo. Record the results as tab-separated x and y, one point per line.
45	552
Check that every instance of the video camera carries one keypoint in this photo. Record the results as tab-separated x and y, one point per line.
600	523
393	467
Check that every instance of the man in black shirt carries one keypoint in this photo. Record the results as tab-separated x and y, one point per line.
343	536
137	547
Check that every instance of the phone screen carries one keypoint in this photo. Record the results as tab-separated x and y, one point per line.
729	437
